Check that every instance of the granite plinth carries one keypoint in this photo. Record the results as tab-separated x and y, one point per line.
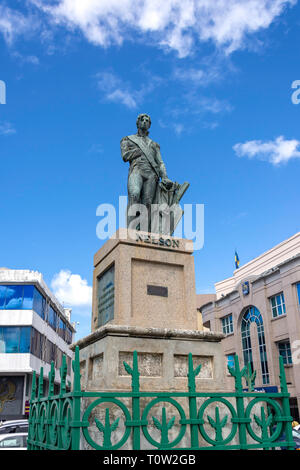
153	282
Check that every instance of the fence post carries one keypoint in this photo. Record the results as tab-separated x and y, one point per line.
242	420
135	389
31	422
192	374
75	441
287	418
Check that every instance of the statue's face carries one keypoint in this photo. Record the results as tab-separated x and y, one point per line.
144	122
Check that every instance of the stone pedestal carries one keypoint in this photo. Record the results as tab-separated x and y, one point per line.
144	280
144	300
162	358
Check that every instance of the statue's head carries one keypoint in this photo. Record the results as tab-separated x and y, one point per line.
143	122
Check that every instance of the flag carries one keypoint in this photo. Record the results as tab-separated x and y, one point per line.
237	260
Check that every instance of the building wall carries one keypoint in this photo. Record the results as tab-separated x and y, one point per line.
273	257
16	368
279	279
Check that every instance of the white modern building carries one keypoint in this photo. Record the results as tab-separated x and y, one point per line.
34	331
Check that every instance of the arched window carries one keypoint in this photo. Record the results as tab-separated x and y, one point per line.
252	314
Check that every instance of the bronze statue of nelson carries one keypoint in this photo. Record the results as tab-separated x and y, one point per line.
148	183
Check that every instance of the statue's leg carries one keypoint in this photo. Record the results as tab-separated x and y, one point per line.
135	184
149	189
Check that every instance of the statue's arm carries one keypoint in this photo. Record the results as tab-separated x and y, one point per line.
162	166
129	150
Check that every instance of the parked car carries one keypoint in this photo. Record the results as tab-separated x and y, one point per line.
16	441
296	437
19	425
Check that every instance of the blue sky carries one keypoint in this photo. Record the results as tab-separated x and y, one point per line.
215	78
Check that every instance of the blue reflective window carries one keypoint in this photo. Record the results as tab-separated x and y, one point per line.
62	328
15	339
52	318
69	335
11	338
39	303
14	297
298	290
27	297
25	339
18	297
2	296
230	360
252	314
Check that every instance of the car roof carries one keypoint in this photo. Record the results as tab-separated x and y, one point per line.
14	421
3	436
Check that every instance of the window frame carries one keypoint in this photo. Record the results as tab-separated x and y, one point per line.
227	324
287	356
277	305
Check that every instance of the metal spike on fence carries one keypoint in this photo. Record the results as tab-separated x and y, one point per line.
63	375
33	386
76	370
41	383
51	380
250	377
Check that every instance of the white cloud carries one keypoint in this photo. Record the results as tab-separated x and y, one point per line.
275	151
30	59
6	128
177	127
122	96
71	289
14	23
115	90
198	77
119	91
173	24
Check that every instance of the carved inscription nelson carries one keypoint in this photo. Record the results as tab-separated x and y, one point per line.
166	242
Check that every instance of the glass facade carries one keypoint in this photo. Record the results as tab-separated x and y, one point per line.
227	325
28	297
278	305
17	297
52	318
26	339
252	314
62	329
284	349
15	339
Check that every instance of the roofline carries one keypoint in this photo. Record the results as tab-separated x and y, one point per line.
38	281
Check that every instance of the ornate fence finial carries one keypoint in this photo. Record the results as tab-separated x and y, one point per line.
283	384
33	386
238	374
134	372
63	375
250	377
51	380
192	374
76	370
41	384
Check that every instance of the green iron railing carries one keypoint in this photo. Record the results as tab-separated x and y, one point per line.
59	422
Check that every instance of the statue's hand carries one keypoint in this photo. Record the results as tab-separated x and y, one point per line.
167	183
